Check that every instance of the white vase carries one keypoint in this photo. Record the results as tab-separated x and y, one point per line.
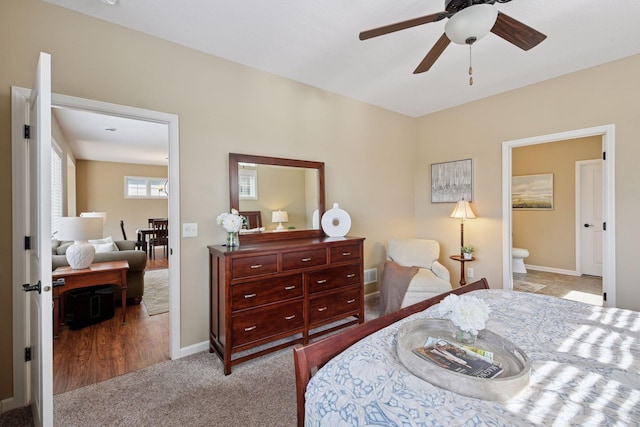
336	222
466	255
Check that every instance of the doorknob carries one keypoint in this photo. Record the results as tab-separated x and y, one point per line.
588	225
31	288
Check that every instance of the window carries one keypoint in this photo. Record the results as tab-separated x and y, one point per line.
248	182
137	187
56	187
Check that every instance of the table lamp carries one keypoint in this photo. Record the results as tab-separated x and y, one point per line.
279	217
80	229
102	215
462	211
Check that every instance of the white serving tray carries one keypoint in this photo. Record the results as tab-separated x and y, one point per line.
513	379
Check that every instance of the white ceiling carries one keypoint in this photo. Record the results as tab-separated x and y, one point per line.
316	43
107	138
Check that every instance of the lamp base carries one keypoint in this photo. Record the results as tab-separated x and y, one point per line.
280	227
80	255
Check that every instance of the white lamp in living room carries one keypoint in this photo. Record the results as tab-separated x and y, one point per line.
102	215
80	229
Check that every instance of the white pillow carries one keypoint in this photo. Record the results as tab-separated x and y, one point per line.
413	252
105	247
108	239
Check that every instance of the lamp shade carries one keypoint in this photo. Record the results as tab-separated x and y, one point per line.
102	215
463	210
471	22
80	228
279	216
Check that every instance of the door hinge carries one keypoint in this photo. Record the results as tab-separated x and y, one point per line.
27	132
604	296
27	243
604	155
27	354
604	226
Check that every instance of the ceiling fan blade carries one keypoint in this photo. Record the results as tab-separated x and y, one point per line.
433	54
516	32
392	28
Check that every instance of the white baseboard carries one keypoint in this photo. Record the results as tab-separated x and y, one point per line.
8	404
552	270
193	349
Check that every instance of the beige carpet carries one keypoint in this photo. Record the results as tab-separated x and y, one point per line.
156	291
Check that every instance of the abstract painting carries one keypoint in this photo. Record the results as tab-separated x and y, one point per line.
534	192
452	181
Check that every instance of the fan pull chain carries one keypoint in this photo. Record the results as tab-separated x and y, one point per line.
470	68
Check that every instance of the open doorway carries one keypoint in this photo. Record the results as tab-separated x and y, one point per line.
606	133
170	122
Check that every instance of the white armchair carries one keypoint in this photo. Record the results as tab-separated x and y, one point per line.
432	277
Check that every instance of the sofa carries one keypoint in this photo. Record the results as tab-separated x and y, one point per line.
412	273
110	250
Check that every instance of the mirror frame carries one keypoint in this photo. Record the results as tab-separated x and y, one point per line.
234	197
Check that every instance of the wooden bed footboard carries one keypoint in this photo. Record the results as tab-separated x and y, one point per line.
311	357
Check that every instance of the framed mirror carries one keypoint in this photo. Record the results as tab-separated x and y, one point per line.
285	197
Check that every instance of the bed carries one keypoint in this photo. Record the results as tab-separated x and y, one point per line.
585	369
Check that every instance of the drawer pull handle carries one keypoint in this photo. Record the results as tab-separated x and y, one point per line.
290	317
346	253
351	301
256	266
322	282
305	259
289	288
250	328
322	308
351	275
249	295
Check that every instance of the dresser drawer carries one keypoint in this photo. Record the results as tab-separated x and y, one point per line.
259	324
332	278
252	294
345	253
304	259
333	305
254	266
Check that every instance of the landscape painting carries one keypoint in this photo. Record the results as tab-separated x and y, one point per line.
451	181
532	192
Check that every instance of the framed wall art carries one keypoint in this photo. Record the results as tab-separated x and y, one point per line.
452	181
532	192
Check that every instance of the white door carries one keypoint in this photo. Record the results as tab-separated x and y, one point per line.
590	217
39	256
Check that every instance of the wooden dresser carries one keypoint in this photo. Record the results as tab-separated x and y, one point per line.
287	291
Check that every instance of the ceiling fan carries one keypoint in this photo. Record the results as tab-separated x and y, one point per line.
468	21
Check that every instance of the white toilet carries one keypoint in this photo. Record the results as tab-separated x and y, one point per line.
518	255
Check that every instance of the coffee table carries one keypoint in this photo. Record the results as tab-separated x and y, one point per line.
103	273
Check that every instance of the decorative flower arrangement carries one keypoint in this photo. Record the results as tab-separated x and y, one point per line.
232	223
468	313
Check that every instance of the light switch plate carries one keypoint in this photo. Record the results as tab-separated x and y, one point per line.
190	229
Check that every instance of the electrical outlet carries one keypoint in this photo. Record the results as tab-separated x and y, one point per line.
190	229
470	272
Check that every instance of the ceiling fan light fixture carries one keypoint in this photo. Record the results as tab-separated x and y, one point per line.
472	22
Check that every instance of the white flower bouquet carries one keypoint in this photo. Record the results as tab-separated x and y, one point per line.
231	222
467	312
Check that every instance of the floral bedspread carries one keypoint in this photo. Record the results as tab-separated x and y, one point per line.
585	371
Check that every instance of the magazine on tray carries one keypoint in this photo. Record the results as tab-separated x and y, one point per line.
458	359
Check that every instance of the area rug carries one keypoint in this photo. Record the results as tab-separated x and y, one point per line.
156	291
522	286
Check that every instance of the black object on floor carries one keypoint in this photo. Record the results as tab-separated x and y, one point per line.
88	306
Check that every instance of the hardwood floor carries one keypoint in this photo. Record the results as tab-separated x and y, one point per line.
108	349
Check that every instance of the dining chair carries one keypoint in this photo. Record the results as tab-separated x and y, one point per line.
124	236
160	236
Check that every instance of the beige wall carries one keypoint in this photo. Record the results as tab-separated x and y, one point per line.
100	188
550	235
222	107
597	96
376	162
